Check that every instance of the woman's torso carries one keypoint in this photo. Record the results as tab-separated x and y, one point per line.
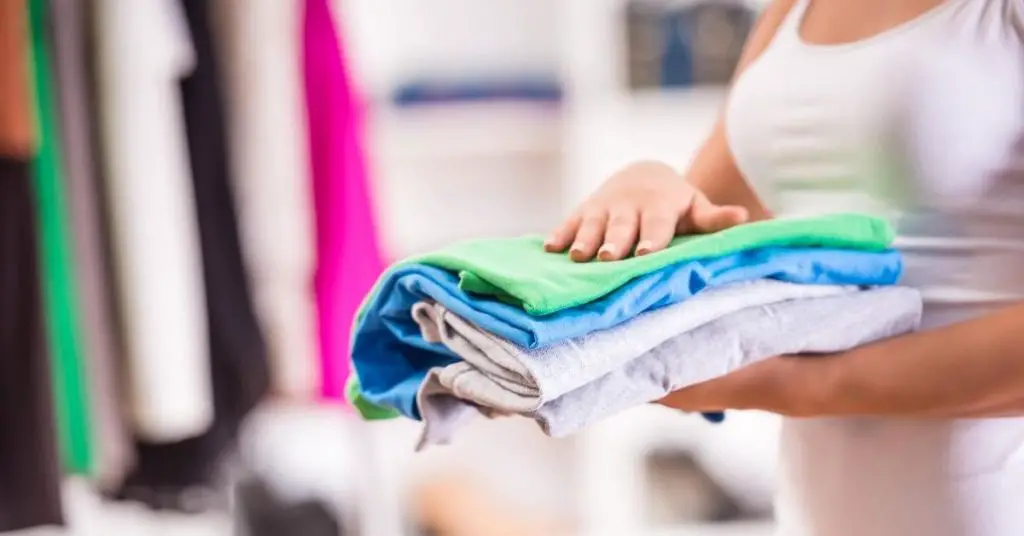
826	128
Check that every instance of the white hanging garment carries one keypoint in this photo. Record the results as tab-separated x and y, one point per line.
259	43
144	50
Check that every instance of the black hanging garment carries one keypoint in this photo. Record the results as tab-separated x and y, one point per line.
30	471
239	353
239	368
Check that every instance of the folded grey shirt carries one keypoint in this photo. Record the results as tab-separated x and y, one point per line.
712	349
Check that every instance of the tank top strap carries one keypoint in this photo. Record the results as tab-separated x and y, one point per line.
789	30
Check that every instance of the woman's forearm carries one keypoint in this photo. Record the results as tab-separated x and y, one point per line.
715	173
971	369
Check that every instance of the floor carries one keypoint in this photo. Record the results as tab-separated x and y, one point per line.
90	517
310	451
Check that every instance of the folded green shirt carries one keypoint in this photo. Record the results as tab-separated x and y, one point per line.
518	271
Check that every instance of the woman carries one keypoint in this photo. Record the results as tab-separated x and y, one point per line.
918	435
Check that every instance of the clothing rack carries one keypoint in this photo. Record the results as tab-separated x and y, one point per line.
187	225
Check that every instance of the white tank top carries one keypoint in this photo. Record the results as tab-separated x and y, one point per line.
902	125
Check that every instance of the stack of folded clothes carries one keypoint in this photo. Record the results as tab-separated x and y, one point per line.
501	327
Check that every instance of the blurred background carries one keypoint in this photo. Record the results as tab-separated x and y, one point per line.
215	176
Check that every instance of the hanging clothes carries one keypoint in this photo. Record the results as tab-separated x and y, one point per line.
143	50
259	43
16	131
169	472
348	256
29	464
240	371
112	441
60	290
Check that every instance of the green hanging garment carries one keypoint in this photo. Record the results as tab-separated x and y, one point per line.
59	292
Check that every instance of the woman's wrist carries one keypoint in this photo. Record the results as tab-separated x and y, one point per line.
795	386
767	385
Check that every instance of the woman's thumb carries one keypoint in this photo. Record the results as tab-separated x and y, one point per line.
707	217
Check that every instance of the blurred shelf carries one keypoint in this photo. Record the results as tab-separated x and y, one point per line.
651	105
471	130
660	100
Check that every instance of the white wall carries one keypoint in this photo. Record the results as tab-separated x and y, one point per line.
453	172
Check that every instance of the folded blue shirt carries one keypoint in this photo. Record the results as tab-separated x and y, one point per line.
392	359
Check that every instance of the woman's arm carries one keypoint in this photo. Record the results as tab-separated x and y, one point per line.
971	369
713	170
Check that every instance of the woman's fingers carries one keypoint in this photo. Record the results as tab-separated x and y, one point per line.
657	227
560	240
589	236
619	237
707	217
639	213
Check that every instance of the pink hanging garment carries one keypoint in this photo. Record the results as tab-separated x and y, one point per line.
348	256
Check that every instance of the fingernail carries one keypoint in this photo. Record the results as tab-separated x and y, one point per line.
606	251
576	248
643	248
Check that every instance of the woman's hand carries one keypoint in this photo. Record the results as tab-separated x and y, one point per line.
639	210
